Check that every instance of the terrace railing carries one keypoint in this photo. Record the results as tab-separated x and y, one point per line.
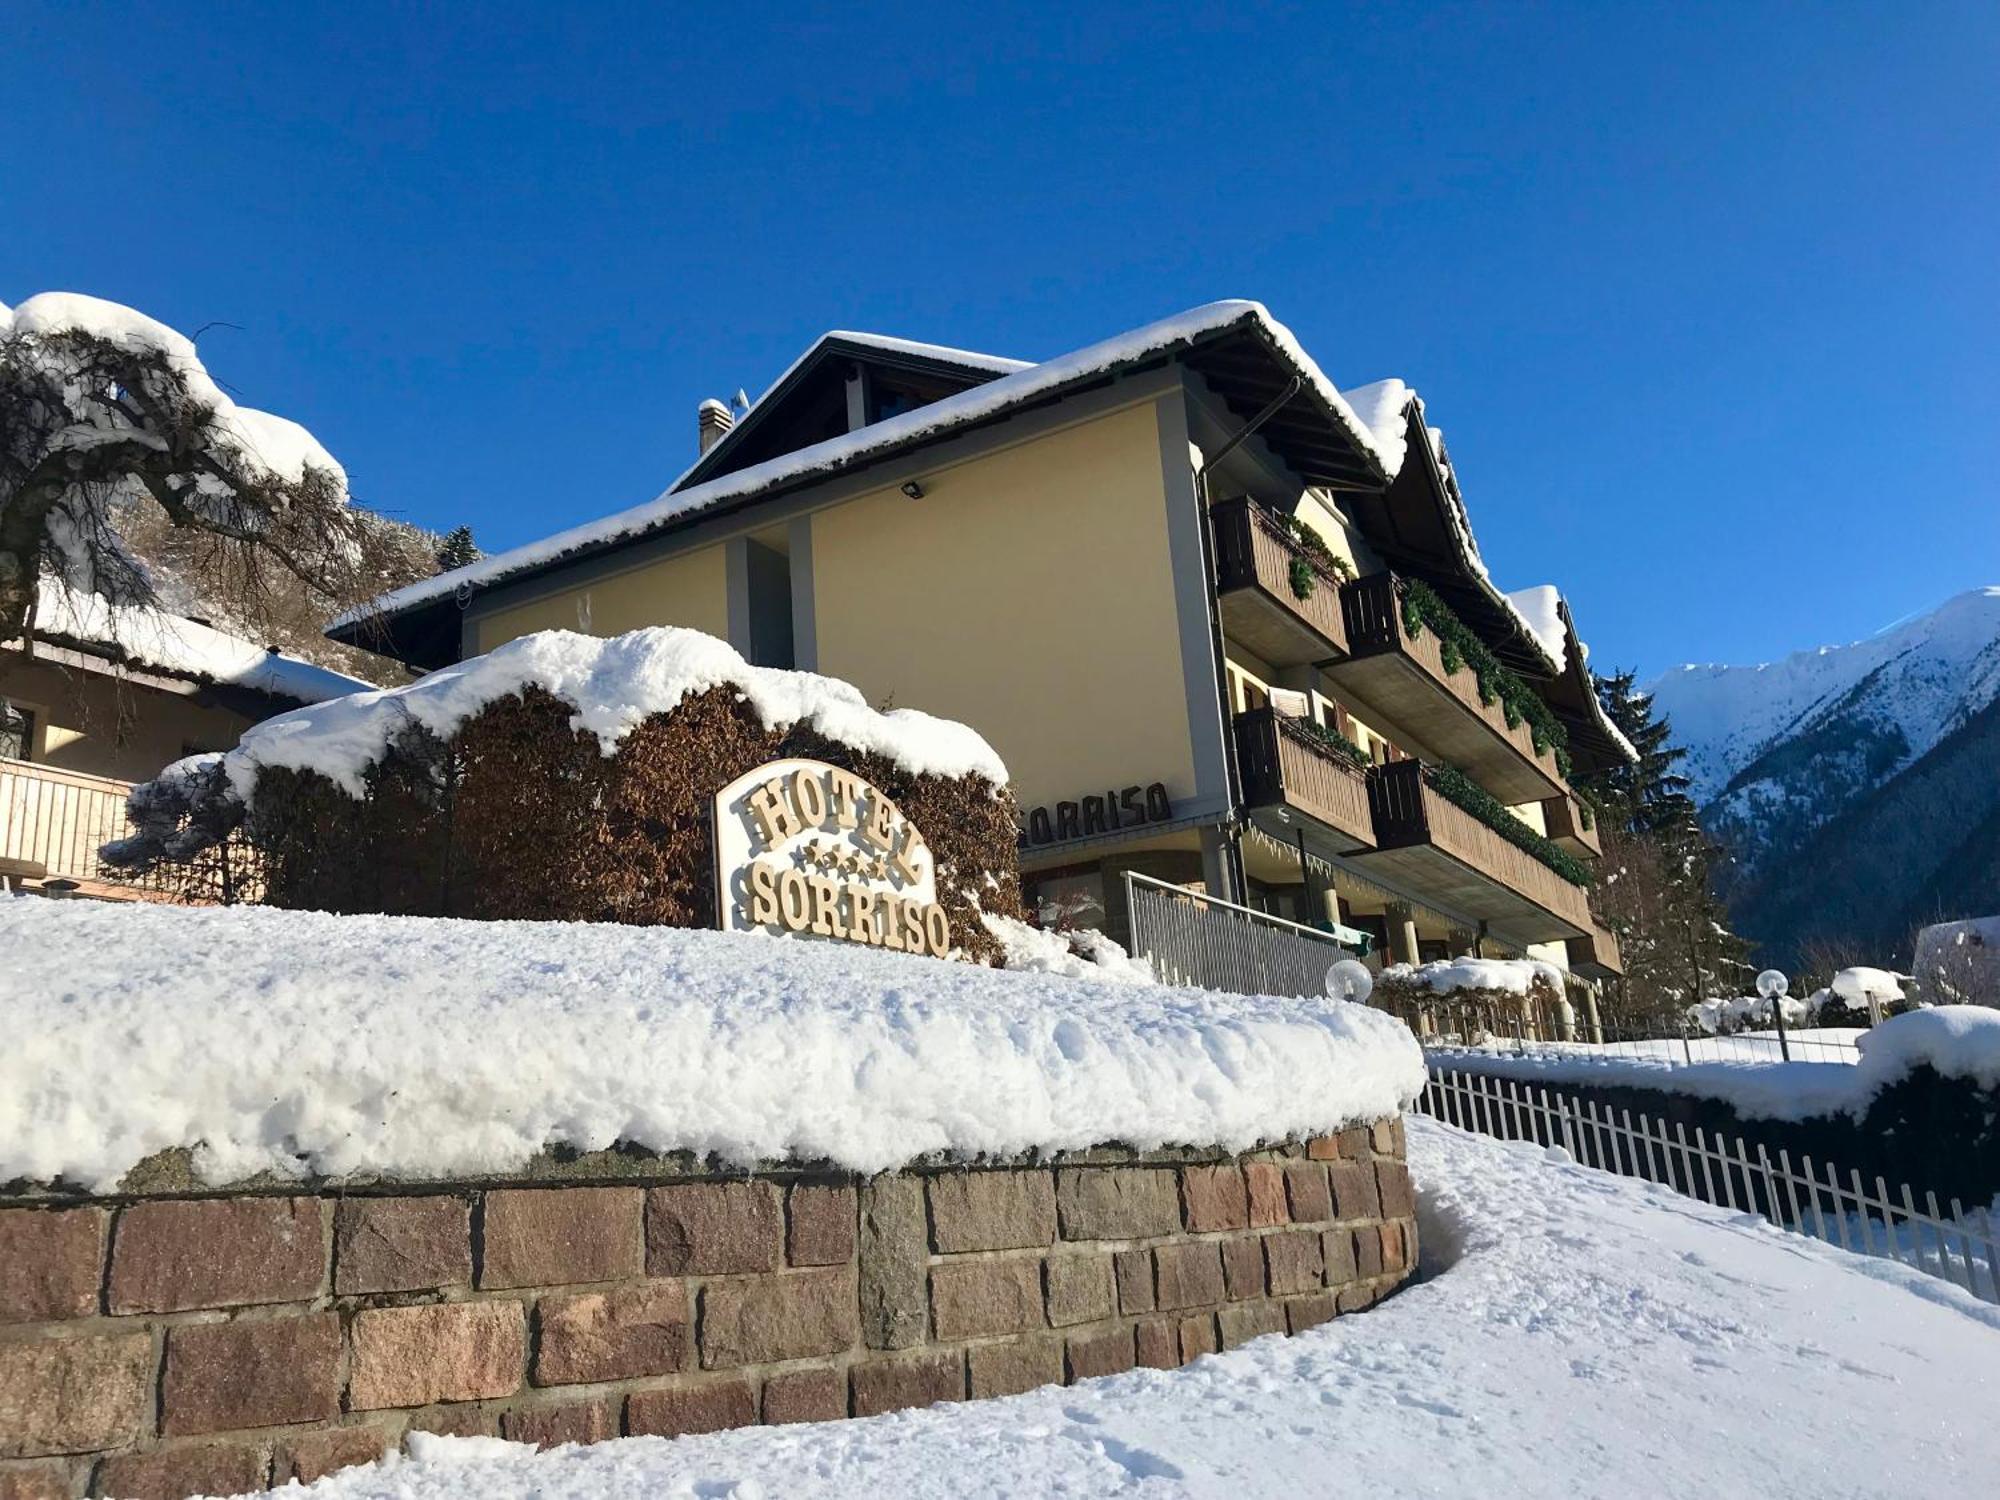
1213	944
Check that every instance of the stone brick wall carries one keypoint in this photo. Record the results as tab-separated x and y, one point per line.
171	1345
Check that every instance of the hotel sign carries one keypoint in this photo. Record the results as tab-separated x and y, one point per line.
805	849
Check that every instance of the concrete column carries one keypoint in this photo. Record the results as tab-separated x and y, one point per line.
1402	933
1590	1015
1215	868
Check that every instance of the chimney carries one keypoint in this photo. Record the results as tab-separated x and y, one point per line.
715	419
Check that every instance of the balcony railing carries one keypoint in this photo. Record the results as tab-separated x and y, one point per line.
1256	569
1282	765
1595	955
1572	827
1431	844
1402	678
57	819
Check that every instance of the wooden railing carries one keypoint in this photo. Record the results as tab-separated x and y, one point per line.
1565	817
1280	764
57	819
1253	551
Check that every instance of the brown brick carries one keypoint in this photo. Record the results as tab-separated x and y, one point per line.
1092	1354
763	1319
450	1351
1368	1251
559	1236
1392	1247
1007	1210
1398	1199
1214	1198
1159	1345
1354	1143
1296	1261
256	1372
820	1225
1248	1320
1198	1337
51	1263
1265	1183
1355	1298
1117	1203
176	1473
1323	1148
645	1328
1354	1195
1306	1190
714	1228
74	1395
710	1406
892	1259
314	1455
1015	1366
1189	1275
465	1420
1243	1268
216	1252
1382	1137
909	1380
1337	1246
401	1244
565	1422
1080	1288
983	1295
36	1482
1310	1311
805	1396
1135	1281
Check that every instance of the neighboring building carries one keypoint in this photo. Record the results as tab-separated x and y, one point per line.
1236	661
109	694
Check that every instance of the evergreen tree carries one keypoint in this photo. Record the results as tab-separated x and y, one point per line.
457	549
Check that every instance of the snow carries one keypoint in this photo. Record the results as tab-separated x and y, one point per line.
1383	408
980	402
1081	954
1860	984
152	638
1575	1335
1540	610
613	684
1445	976
301	1042
1720	1016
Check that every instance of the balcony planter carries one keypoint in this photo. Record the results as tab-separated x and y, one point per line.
1259	570
1289	763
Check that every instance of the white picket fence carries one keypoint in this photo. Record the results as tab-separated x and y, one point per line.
1956	1244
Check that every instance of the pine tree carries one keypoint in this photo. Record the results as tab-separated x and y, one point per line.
457	549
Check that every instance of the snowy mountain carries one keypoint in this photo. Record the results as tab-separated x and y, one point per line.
1846	781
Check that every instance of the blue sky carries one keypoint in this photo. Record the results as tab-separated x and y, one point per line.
1704	299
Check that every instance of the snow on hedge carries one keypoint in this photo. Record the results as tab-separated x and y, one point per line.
1452	976
613	684
300	1042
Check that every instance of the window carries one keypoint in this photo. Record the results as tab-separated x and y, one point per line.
17	732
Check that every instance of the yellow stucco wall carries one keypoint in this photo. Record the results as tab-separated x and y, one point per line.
691	589
1028	593
105	726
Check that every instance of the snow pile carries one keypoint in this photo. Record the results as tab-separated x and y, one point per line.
1860	991
1958	1041
613	685
1540	609
299	1042
1558	1303
1083	953
148	637
1383	408
1727	1016
1450	976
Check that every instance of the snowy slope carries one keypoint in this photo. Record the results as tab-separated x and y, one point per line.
1578	1335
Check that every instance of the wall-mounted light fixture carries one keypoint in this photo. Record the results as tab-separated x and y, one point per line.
914	490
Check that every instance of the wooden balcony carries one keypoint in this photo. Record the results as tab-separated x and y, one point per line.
1402	680
1595	955
54	820
1253	583
1564	817
1433	847
1281	766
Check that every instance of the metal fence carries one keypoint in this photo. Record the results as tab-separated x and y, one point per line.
1951	1242
1829	1044
1201	940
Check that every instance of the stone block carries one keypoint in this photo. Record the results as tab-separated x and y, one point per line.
36	1482
763	1319
1244	1321
1159	1345
556	1423
51	1263
893	1261
450	1351
1393	1189
1198	1337
1382	1137
1003	1210
216	1252
1080	1288
1011	1368
1323	1148
1337	1246
1307	1193
1093	1354
1264	1181
1354	1195
1117	1203
1134	1270
464	1420
1243	1268
644	1328
805	1396
1354	1143
1189	1275
74	1395
560	1236
314	1455
254	1372
1356	1297
1214	1198
983	1295
1295	1260
819	1228
176	1473
401	1244
714	1228
1309	1311
1392	1247
1368	1251
907	1380
709	1406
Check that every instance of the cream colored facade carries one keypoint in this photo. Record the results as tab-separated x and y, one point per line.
691	589
120	726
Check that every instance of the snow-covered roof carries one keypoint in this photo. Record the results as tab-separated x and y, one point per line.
1023	384
1540	610
162	642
